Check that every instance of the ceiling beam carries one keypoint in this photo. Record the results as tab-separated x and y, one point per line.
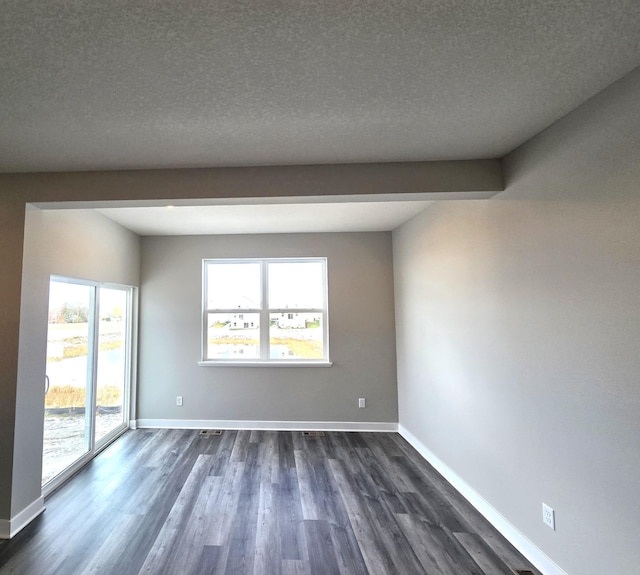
474	179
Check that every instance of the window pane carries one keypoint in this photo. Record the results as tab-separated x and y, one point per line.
112	358
233	336
233	286
296	285
67	380
295	336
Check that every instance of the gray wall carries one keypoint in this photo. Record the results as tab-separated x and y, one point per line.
12	211
361	323
79	244
413	180
518	324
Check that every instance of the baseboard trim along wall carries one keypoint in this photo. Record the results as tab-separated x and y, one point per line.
9	528
515	537
267	425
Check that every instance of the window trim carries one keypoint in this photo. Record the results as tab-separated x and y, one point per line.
264	313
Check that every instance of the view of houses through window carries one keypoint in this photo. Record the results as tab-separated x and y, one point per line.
268	310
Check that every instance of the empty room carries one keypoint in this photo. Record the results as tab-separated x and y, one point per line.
302	288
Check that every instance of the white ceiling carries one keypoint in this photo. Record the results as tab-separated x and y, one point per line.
266	218
116	84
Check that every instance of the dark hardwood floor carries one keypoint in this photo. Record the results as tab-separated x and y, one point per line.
173	502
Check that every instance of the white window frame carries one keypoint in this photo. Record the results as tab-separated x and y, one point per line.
264	313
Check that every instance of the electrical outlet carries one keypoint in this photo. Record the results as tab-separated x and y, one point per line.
548	516
179	400
361	402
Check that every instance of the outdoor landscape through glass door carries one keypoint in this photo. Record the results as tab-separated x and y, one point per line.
112	361
87	372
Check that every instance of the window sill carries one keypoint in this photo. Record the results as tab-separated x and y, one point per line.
265	363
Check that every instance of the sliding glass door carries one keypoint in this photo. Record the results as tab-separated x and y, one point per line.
112	361
68	379
88	372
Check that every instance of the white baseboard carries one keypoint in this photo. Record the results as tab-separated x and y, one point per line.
9	528
508	531
267	425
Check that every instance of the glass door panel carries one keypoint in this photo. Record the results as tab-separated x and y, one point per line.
112	360
67	420
87	377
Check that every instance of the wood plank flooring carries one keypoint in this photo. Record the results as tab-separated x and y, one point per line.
258	502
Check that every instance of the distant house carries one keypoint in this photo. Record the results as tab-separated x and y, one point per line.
286	320
238	321
292	320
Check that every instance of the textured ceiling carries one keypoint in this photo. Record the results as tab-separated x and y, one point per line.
118	84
